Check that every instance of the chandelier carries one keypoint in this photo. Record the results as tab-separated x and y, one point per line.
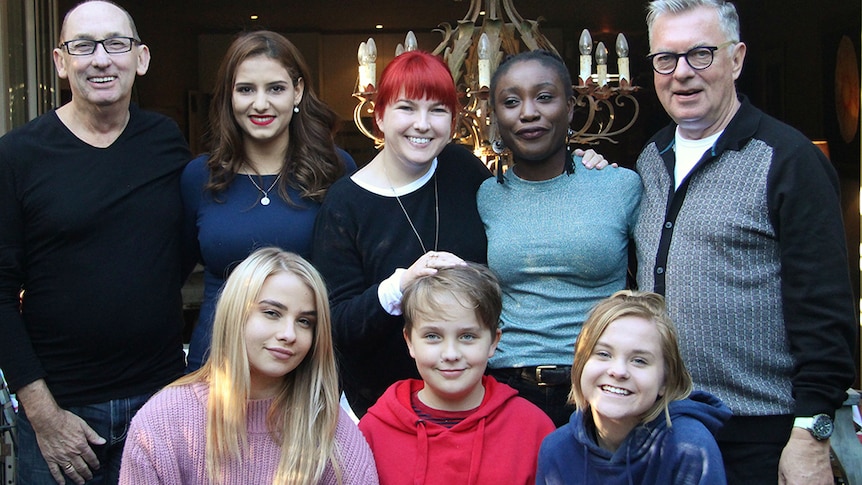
604	103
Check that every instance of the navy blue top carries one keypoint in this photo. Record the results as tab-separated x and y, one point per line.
225	231
652	453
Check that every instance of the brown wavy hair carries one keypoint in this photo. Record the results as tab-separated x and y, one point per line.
311	163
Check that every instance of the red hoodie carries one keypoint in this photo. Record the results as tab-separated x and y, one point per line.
499	443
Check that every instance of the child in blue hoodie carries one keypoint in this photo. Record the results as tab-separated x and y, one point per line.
637	419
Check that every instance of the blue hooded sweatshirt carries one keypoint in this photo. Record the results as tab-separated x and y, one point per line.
652	453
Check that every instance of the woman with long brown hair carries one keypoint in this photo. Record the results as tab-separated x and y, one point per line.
272	160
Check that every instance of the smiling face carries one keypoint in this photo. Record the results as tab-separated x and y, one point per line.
263	99
415	130
533	112
279	331
451	355
701	102
624	375
100	79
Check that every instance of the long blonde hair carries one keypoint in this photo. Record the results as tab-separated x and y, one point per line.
304	413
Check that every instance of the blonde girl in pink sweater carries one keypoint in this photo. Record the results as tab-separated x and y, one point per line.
264	408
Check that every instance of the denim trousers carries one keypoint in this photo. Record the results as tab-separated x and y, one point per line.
109	419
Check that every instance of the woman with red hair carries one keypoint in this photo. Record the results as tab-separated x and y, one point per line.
410	210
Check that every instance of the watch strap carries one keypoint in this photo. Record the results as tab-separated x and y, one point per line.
820	426
806	422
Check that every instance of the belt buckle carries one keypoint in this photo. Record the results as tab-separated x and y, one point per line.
539	369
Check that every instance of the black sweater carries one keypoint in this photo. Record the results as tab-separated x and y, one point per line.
361	238
93	237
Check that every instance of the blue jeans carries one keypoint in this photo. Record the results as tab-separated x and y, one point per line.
109	419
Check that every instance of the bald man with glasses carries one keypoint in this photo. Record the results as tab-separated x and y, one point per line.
90	232
740	229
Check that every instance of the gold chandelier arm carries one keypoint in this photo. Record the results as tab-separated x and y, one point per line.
620	101
473	12
360	124
511	12
446	31
581	101
492	9
475	123
605	132
529	29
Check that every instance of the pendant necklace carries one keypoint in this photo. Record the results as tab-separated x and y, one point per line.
409	221
265	199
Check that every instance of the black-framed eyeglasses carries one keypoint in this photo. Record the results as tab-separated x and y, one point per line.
698	58
112	45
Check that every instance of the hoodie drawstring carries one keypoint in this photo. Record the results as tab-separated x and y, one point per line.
421	453
629	462
476	453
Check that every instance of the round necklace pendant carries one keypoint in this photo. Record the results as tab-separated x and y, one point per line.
265	199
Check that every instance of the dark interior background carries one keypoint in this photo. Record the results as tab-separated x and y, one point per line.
789	70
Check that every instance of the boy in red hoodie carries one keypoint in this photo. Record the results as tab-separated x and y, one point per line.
456	425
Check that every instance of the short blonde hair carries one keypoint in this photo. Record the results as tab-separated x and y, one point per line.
651	307
473	286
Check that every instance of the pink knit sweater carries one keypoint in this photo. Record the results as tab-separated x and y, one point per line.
167	445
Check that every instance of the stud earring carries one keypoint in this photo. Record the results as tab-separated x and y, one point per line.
296	109
498	146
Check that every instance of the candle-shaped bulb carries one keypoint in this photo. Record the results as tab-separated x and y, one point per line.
372	50
372	63
484	60
623	59
484	46
410	43
602	64
622	46
362	55
586	43
399	49
601	54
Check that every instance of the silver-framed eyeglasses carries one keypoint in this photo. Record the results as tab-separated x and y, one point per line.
112	45
699	58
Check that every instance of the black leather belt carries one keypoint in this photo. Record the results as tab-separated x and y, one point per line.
541	375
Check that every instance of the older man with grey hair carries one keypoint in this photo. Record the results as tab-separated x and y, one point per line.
740	228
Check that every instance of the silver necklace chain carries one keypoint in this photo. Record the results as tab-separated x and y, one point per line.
265	199
410	221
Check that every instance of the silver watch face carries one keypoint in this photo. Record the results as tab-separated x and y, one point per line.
821	428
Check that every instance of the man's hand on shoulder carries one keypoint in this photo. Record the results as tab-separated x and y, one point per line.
592	159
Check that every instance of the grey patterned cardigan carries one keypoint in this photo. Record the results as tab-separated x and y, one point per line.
750	254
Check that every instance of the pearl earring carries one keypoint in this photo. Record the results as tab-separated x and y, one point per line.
296	109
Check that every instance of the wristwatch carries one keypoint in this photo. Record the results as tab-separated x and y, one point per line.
820	426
